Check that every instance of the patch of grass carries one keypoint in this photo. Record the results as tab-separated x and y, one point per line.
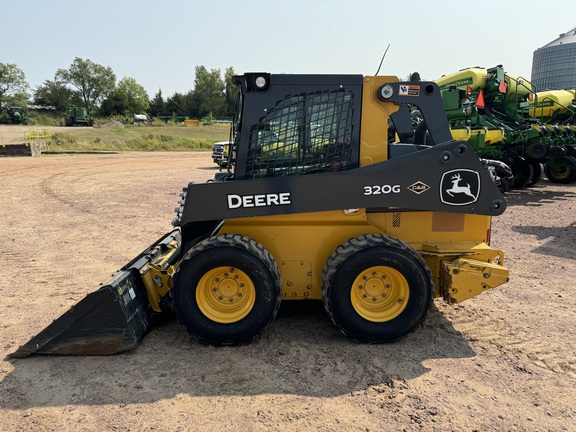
140	138
45	118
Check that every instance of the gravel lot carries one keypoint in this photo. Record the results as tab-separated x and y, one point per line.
505	360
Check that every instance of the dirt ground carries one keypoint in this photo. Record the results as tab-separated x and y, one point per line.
503	361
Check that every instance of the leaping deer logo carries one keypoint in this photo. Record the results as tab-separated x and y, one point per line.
456	189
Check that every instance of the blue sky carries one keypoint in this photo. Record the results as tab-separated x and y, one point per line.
159	43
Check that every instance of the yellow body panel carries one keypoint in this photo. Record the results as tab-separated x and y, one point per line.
374	137
302	243
463	134
491	136
494	136
473	77
517	86
550	101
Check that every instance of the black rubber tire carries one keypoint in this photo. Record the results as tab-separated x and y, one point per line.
361	253
537	151
242	253
537	171
522	171
566	173
506	184
506	177
503	171
557	151
571	150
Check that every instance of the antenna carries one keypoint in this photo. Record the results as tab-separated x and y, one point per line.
382	61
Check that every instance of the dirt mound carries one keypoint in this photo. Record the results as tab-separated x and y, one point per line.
112	123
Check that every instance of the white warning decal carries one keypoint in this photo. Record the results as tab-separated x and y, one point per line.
409	90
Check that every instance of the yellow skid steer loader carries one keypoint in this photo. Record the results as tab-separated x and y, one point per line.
316	203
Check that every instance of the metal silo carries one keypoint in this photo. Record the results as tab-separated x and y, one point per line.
554	65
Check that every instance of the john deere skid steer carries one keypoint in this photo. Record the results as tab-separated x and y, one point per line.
316	203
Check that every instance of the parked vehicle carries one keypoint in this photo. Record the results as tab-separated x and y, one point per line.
220	153
18	115
78	116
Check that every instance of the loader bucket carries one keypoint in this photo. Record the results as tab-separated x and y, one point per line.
108	321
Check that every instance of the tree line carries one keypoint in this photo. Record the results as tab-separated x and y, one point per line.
94	87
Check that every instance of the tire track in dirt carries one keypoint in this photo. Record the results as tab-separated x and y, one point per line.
50	189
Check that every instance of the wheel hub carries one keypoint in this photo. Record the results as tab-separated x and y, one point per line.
225	294
379	293
375	286
228	287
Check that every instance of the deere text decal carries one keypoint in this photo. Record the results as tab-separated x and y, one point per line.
262	200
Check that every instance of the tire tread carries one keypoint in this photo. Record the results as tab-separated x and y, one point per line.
245	243
353	245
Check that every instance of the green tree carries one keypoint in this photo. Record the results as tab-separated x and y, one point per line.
56	94
18	99
132	95
112	105
93	82
176	104
208	94
192	104
231	92
156	105
13	85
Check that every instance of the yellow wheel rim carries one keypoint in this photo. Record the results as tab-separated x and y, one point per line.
380	293
563	171
225	295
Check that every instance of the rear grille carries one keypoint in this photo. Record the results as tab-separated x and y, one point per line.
396	219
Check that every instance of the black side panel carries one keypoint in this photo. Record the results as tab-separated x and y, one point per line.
426	96
194	233
447	177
